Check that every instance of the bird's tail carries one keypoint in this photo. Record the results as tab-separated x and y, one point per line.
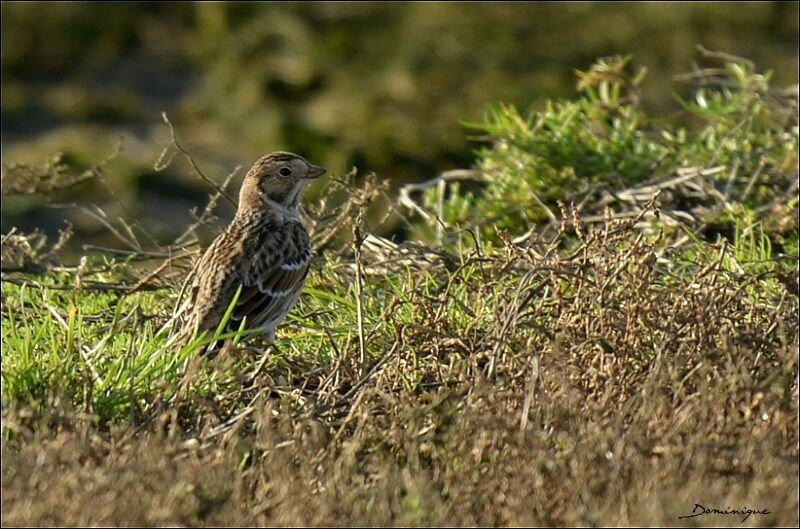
181	331
177	326
175	330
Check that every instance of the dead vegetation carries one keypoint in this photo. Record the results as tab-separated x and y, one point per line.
603	387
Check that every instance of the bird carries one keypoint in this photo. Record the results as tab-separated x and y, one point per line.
265	251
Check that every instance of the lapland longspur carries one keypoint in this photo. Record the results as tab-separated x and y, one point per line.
265	250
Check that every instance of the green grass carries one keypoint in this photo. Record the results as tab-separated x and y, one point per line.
604	140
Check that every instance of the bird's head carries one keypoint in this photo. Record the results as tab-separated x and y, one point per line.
279	177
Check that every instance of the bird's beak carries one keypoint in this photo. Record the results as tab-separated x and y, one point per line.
315	171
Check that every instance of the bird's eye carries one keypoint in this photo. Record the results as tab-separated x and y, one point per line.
285	171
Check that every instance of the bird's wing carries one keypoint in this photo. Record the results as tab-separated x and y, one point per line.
268	260
274	275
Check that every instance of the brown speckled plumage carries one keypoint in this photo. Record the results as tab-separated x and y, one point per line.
265	250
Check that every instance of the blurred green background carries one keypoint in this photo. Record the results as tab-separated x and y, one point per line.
382	86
